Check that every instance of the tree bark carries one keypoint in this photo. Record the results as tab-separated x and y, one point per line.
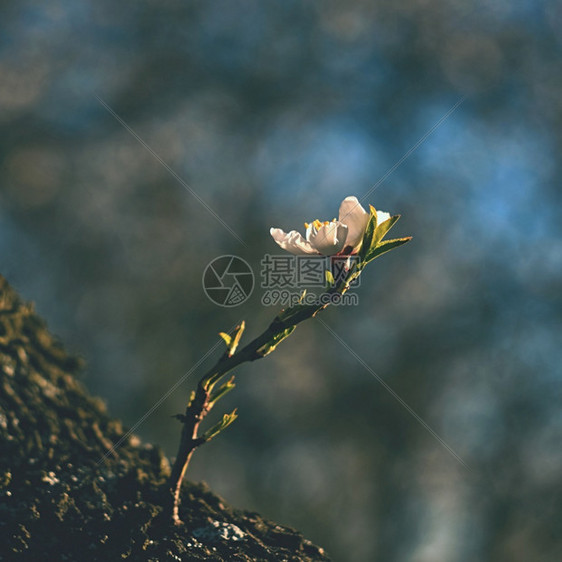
75	485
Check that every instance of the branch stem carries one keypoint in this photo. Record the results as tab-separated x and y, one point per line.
202	402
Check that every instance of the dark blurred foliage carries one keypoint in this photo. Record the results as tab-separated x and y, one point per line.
272	112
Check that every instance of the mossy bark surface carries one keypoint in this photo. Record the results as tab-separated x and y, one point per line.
67	492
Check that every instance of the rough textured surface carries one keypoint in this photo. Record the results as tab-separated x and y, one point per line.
66	495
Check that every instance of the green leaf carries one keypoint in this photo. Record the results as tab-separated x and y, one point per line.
386	246
330	278
382	229
238	331
227	419
369	234
275	340
222	390
227	339
233	340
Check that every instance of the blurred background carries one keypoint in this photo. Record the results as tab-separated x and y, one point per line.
272	113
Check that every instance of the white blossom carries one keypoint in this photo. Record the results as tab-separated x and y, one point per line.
328	238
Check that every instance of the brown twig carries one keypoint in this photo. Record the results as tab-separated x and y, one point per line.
203	400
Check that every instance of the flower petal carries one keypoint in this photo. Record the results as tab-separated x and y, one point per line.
292	242
329	239
356	218
382	216
309	231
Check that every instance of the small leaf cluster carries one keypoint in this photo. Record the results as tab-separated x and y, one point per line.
373	244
